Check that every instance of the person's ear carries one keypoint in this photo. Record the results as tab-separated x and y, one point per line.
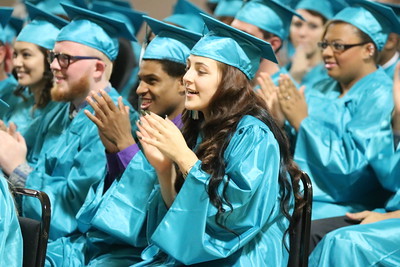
100	68
275	42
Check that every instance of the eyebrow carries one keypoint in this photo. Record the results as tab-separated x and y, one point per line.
200	64
147	76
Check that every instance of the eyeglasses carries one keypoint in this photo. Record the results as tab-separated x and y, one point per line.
337	47
65	60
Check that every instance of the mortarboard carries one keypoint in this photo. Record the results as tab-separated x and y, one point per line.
43	28
5	15
171	43
269	16
374	19
132	18
323	7
94	30
187	15
228	8
233	47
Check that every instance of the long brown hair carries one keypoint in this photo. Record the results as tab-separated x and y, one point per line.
233	100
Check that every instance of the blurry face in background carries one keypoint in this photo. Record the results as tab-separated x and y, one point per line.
28	63
159	92
306	33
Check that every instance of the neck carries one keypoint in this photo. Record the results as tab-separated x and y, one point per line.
3	74
37	89
314	59
347	85
77	102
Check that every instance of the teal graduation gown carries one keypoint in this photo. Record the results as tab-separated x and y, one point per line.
117	217
253	164
66	170
375	244
11	244
7	87
333	141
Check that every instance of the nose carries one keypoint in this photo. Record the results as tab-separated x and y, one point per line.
17	62
142	88
327	52
54	65
187	78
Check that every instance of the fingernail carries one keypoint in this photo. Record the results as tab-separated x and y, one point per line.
142	112
139	121
148	112
139	137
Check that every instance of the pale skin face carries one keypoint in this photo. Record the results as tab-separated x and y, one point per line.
74	83
159	92
201	81
306	33
28	63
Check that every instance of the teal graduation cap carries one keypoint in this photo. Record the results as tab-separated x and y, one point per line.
233	47
12	29
5	15
43	28
94	30
374	19
53	6
323	7
394	7
132	18
268	15
187	15
171	43
228	8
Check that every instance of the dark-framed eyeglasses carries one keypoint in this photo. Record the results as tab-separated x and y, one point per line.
64	60
338	47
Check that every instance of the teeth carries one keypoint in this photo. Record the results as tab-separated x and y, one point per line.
192	92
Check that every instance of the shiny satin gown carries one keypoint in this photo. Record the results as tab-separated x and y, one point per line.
188	234
333	144
11	244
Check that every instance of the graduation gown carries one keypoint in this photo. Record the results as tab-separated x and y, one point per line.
333	144
66	170
11	243
253	163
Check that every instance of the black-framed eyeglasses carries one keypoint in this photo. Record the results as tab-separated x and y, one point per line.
64	60
338	47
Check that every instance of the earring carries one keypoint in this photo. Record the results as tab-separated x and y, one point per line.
194	114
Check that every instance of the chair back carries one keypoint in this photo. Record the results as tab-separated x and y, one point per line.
35	234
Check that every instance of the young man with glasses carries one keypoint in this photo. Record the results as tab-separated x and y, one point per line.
71	162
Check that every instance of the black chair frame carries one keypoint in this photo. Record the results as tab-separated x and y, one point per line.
300	239
44	224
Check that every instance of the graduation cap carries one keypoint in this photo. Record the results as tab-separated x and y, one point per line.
120	3
233	47
94	30
12	29
43	28
132	18
228	8
323	7
374	19
187	15
269	16
171	43
394	7
53	6
5	15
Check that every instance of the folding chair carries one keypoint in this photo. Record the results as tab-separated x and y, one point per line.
300	238
35	234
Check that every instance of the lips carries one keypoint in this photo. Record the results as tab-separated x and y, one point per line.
191	92
330	65
145	103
